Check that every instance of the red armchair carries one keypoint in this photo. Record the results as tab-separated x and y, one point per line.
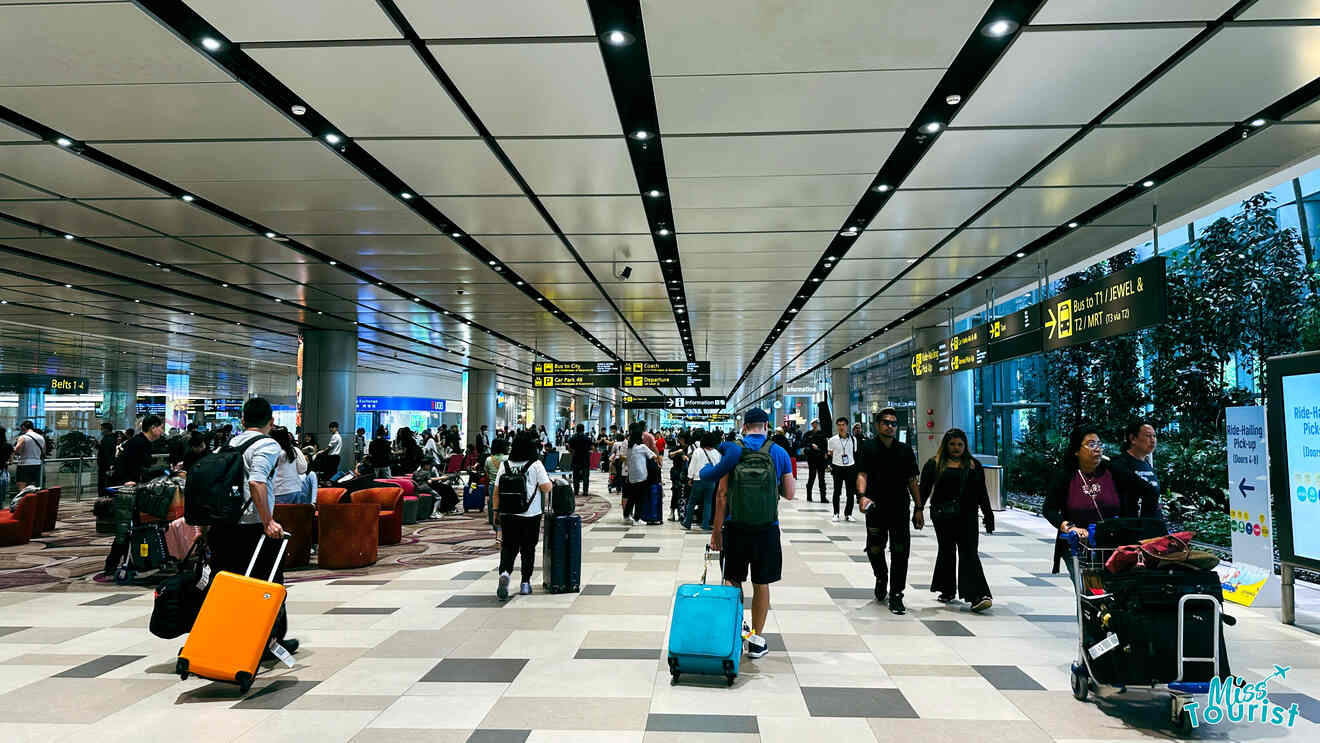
16	526
52	508
348	534
391	511
329	495
41	500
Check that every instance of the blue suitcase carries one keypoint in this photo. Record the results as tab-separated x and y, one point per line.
705	632
474	497
653	504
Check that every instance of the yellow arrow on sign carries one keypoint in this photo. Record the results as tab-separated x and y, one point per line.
1050	323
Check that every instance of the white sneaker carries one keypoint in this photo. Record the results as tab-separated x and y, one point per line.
757	646
836	518
847	518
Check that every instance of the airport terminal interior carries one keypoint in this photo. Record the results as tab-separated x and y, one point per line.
1046	269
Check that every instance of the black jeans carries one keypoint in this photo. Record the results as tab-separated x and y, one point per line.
957	564
231	549
520	536
581	478
633	493
846	478
816	473
889	526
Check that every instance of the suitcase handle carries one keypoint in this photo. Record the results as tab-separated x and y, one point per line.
284	542
705	563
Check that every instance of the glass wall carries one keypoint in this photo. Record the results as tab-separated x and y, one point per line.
885	380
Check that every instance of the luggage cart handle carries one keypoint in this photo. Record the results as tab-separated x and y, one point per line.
284	542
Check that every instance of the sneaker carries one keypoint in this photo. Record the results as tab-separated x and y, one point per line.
835	519
747	631
627	521
982	604
847	518
880	592
503	590
896	605
526	589
757	646
944	598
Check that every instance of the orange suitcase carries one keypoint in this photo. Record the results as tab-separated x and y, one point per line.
234	625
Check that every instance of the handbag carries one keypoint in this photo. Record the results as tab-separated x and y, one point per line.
1151	553
953	508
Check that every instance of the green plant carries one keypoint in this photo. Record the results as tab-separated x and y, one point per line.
74	445
1193	473
1033	460
1214	527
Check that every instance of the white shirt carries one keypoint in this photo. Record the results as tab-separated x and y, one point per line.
29	446
286	478
430	448
259	462
336	444
843	451
637	456
535	477
700	458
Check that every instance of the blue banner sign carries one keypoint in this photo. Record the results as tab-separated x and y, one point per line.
369	404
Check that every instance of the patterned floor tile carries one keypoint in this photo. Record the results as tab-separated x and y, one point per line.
702	723
501	670
853	702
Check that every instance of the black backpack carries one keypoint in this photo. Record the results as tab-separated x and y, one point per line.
215	492
513	489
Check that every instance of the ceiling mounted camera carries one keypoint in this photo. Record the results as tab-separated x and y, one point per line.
625	274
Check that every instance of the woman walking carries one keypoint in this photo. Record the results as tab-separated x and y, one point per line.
636	481
953	483
519	486
290	468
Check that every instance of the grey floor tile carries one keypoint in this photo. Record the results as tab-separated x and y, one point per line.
473	601
498	736
634	536
860	558
1008	678
363	610
617	654
840	539
637	550
947	628
852	702
472	574
850	593
1308	707
93	668
278	694
610	529
491	670
702	723
597	589
1033	582
800	531
809	541
358	582
775	640
1049	617
11	630
111	600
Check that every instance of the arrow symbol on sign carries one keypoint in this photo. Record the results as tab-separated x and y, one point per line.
1244	488
1050	323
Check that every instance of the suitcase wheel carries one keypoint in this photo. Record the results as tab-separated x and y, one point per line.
731	678
1081	684
124	576
244	680
181	668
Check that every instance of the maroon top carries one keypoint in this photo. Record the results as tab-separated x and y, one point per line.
1081	510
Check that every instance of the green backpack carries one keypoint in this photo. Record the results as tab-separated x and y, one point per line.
753	490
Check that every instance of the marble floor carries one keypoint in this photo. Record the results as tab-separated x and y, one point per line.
430	655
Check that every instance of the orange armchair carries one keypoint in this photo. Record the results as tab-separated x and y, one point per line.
391	511
16	526
329	495
348	534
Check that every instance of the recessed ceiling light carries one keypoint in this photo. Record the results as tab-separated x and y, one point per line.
619	38
641	135
68	236
64	141
417	299
210	44
187	197
270	235
979	277
663	232
298	109
1072	225
405	195
520	283
540	299
882	188
194	314
815	279
334	263
277	299
953	100
932	127
669	260
455	234
332	138
137	301
1258	123
1000	28
68	286
1021	255
225	285
1147	183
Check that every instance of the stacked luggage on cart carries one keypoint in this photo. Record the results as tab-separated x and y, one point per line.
142	515
1149	612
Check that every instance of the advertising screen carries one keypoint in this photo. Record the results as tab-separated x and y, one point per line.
1300	409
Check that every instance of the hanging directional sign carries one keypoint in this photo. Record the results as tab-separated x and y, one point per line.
927	361
53	384
1025	320
666	374
1119	303
575	374
658	402
665	380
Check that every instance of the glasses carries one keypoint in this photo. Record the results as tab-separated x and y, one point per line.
1094	446
888	422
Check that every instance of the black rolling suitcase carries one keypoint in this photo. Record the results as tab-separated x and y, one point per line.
561	497
561	562
1143	612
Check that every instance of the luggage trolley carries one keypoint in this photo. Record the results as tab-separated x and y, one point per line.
146	551
1090	563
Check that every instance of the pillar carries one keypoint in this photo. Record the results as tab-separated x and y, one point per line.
934	411
329	383
481	403
119	399
620	416
32	407
544	410
840	398
603	415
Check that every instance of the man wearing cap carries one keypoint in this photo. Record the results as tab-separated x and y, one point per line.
750	542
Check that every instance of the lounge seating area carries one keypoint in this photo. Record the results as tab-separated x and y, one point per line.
34	515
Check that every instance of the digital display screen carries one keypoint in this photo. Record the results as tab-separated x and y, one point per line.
1301	426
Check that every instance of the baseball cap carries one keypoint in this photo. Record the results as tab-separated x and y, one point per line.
755	415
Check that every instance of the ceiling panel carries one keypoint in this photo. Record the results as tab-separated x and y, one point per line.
740	36
170	216
296	20
492	215
366	222
807	154
66	44
1129	11
1043	207
763	219
460	19
345	84
1121	155
51	168
14	190
351	248
197	111
573	166
1275	147
1219	83
235	161
294	195
792	102
214	249
591	247
68	216
1001	157
782	190
533	89
444	166
599	214
1188	191
10	134
927	209
1283	9
894	243
992	244
1088	70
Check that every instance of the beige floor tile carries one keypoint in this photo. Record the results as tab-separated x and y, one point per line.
322	726
585	736
377	676
798	729
540	644
619	604
492	690
568	713
400	735
770	694
482	642
809	642
343	702
37	732
618	622
584	678
825	622
839	669
13	676
417	643
668	737
611	639
443	712
517	617
898	669
956	731
957	698
929	650
77	700
49	659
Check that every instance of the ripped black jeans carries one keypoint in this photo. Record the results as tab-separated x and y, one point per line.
889	526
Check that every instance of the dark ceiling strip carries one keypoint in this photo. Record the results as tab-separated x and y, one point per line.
1206	33
1220	143
622	40
128	170
460	101
191	28
983	49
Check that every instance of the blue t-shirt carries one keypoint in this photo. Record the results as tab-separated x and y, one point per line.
731	452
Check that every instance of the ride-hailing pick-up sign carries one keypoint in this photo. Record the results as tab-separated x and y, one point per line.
1119	303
